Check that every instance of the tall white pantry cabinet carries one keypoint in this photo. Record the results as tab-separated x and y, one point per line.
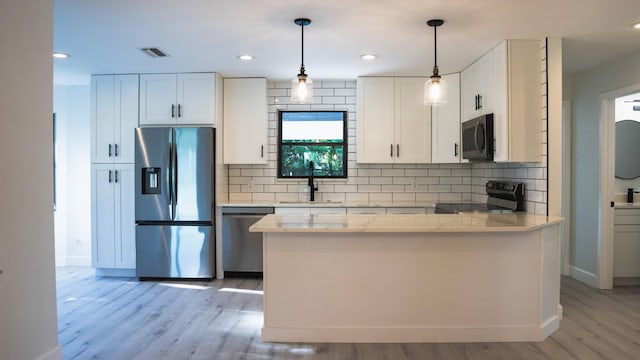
114	116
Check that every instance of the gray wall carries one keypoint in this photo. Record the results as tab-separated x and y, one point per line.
586	88
28	324
73	176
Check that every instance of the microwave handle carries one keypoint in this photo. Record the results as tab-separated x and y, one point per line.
475	136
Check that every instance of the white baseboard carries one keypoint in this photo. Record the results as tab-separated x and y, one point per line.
584	276
626	281
53	354
116	272
61	261
412	334
78	261
73	261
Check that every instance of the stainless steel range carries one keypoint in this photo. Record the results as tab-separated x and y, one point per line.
504	197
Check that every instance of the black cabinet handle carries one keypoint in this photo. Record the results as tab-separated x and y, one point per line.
262	151
110	180
391	150
109	150
116	147
397	150
173	111
179	110
455	149
479	101
116	176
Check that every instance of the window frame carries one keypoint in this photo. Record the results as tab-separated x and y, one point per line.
344	144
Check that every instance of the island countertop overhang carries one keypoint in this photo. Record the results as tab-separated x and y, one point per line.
379	223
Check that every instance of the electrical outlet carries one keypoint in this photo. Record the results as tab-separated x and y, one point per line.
413	184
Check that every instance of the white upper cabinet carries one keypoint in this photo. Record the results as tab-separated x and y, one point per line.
445	125
245	121
375	120
393	124
477	88
114	116
506	82
518	101
178	99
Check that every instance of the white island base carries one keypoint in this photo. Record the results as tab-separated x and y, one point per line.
446	285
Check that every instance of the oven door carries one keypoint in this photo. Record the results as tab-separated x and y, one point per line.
477	138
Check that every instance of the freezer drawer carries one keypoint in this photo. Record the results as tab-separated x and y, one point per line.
169	251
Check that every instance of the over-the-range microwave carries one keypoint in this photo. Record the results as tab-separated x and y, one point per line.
477	138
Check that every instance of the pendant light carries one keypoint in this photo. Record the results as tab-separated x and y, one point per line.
435	88
302	86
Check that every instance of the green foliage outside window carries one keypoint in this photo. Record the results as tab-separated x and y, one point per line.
327	160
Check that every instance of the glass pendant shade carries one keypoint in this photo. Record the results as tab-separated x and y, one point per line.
435	91
301	90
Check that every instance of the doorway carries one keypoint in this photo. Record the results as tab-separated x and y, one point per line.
610	192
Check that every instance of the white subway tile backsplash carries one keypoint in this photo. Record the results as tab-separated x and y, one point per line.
381	180
370	188
374	197
370	183
392	188
392	172
404	197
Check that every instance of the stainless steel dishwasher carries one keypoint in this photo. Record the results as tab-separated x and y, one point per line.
241	249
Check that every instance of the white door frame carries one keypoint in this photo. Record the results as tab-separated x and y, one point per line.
566	189
607	183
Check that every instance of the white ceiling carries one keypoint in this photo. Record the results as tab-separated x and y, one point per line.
103	36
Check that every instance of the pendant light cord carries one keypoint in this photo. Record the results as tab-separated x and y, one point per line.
302	46
435	46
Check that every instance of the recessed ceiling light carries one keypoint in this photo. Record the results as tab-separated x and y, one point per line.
636	25
59	55
368	56
245	57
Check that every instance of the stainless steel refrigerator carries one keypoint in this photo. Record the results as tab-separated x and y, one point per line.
175	201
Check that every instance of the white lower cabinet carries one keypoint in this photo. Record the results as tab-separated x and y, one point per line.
626	247
113	216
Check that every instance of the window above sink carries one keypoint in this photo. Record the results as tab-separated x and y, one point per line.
317	136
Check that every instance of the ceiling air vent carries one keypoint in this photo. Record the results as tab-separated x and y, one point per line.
154	52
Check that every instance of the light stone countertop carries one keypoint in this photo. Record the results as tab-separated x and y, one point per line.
626	205
470	222
330	204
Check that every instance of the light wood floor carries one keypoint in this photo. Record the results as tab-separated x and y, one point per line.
122	318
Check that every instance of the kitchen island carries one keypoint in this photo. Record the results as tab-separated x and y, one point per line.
410	278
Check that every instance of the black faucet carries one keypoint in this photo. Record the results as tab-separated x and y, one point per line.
312	187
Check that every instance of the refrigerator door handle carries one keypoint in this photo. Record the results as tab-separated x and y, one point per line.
175	175
173	169
170	177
